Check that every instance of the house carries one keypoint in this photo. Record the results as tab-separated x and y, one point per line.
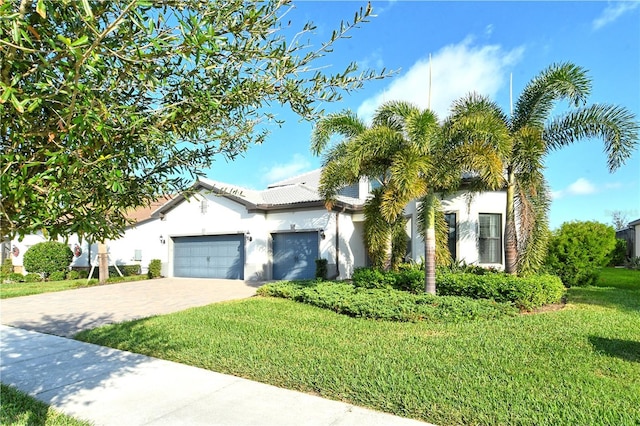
633	243
224	231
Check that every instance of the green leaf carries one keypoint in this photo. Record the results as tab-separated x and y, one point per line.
19	106
79	42
41	9
87	8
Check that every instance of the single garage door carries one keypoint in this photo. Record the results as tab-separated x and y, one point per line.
294	255
213	256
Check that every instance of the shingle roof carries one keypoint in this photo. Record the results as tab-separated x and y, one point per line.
302	189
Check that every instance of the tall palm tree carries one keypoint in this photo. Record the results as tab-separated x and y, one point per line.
433	162
364	151
531	135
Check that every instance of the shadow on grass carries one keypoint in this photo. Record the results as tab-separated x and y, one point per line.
609	297
628	350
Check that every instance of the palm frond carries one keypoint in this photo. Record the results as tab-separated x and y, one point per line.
532	206
616	125
345	123
564	81
443	256
392	114
377	231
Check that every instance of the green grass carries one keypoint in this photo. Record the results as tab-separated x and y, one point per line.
18	408
578	365
27	289
619	278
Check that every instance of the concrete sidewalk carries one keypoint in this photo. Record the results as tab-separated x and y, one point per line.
111	387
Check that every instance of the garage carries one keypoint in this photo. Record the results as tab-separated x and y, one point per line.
212	256
294	255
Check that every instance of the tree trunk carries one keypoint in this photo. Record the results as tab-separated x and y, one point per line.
388	253
103	263
510	236
430	246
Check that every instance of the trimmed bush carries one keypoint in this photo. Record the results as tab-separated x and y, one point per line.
47	257
321	269
387	304
32	278
57	276
15	277
155	268
578	249
73	275
524	292
128	270
372	278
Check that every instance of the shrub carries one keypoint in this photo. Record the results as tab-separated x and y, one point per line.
387	304
321	269
619	253
7	267
74	275
633	263
524	292
578	249
32	278
57	276
155	268
47	257
15	277
83	274
128	270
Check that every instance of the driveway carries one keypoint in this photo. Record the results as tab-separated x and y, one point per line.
65	313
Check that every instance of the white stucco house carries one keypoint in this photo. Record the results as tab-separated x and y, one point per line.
223	231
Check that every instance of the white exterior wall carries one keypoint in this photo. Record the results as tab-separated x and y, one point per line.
144	237
467	223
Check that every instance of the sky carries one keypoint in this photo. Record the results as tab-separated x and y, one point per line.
475	46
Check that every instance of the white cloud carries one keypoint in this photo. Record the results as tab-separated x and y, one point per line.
581	186
374	60
456	70
297	165
613	12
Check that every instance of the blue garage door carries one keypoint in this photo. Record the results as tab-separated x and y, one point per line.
294	255
213	256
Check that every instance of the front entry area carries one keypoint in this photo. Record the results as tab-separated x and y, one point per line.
294	255
211	256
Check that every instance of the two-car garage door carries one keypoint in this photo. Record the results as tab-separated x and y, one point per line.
211	256
222	256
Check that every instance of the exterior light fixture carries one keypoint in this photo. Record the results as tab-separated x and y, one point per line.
322	234
248	236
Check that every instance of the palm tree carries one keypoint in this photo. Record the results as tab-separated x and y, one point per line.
433	162
364	151
530	136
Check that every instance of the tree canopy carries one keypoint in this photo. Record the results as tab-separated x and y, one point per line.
106	105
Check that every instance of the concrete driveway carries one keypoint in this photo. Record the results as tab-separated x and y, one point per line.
65	313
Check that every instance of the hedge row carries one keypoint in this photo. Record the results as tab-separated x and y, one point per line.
524	292
387	304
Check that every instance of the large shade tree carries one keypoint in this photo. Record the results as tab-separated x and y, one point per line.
106	105
531	134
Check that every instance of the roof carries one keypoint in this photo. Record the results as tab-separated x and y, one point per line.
635	222
143	213
301	190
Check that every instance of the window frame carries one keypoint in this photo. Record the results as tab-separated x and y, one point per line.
485	256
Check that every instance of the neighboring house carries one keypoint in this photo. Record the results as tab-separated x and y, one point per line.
634	241
224	231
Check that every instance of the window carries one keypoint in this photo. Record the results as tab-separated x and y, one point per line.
490	238
137	255
452	234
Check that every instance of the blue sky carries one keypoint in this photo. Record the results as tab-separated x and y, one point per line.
475	46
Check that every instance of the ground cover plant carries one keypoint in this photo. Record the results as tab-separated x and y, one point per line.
17	289
18	408
577	365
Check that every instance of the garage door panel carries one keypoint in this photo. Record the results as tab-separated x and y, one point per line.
215	256
294	255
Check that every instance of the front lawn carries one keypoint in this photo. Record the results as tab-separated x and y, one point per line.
18	408
619	277
578	365
26	289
